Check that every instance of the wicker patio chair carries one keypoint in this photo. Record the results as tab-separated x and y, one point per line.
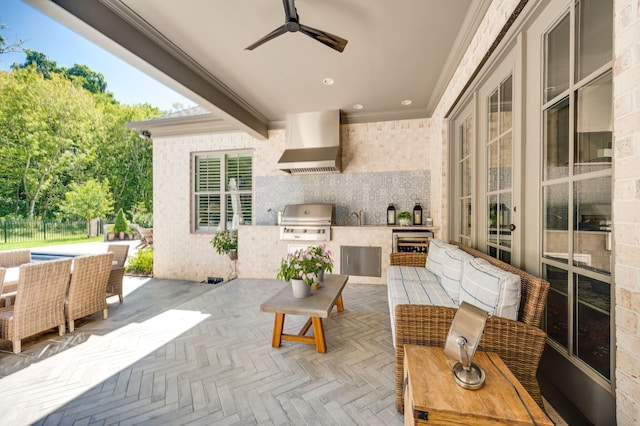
39	303
518	344
87	287
11	259
114	285
2	271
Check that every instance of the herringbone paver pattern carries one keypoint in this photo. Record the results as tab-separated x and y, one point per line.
207	359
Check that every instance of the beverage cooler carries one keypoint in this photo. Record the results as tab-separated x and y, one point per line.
412	241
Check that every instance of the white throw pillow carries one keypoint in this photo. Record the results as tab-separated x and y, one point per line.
490	288
453	264
437	256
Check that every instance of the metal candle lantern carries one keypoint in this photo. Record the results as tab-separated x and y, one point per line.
391	215
417	214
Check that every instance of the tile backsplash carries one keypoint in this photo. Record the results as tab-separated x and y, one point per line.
370	193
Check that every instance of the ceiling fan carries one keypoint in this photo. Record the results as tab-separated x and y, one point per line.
292	24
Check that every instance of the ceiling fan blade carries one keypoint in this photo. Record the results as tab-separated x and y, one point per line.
290	12
328	39
273	34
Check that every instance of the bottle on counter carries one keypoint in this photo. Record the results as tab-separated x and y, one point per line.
391	215
417	214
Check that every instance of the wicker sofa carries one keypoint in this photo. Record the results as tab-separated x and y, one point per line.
519	343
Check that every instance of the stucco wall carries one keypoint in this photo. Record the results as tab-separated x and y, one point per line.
179	254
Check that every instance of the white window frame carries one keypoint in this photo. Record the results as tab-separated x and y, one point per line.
222	191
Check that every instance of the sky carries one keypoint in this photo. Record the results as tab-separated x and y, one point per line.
43	34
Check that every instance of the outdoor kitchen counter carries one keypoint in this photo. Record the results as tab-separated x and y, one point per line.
260	248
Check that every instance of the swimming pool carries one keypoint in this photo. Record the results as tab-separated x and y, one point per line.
43	257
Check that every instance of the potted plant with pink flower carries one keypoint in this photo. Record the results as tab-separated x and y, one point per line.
323	259
300	268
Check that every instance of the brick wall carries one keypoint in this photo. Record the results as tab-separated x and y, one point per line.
626	208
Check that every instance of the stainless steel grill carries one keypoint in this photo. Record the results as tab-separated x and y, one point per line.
306	222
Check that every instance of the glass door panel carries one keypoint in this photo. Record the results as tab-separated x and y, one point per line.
594	125
555	234
595	36
556	146
593	319
464	156
556	52
557	304
499	155
592	224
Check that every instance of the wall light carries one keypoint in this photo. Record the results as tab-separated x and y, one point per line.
461	344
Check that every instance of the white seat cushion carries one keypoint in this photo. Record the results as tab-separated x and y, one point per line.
491	288
426	290
410	273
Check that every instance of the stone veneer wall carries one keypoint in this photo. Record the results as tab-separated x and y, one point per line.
626	208
376	150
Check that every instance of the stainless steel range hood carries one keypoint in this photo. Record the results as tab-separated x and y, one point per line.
312	143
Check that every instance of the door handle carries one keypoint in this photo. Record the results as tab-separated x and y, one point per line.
512	227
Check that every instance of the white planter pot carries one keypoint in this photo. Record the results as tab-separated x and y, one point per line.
300	289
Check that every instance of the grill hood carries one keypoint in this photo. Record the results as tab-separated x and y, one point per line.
312	143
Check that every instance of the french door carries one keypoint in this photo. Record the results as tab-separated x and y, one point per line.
498	169
485	148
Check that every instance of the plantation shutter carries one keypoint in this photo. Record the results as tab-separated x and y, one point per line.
207	188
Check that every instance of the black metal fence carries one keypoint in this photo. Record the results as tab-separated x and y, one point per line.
19	231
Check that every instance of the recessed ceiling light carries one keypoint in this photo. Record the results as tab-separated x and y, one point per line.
358	106
407	102
327	81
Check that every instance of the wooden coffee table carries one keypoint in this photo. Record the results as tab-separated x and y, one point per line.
432	396
316	307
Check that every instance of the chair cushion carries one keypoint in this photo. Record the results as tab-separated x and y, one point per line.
452	269
437	256
491	288
408	273
427	291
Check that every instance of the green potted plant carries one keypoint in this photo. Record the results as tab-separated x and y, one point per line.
404	218
121	224
111	232
226	242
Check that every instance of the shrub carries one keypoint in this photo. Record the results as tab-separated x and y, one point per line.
121	224
142	262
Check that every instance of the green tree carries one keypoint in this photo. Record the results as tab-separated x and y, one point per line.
59	126
90	80
126	158
45	66
87	200
42	122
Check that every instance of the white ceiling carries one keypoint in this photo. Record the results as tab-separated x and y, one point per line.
397	50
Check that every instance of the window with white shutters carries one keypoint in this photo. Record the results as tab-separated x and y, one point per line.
223	184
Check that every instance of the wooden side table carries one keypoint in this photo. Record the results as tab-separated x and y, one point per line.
432	397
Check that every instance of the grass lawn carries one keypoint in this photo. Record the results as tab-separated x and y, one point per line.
39	243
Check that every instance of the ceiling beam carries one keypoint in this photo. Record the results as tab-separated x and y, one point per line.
153	49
